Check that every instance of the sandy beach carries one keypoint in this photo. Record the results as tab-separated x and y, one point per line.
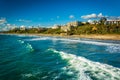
102	37
90	36
93	36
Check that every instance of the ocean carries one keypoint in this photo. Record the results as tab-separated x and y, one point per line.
55	58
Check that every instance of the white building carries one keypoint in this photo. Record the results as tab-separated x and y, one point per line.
22	27
66	28
75	24
70	25
56	26
111	22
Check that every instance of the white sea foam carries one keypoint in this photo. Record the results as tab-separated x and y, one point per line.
113	49
89	42
38	39
21	41
27	75
89	70
74	40
20	35
110	47
27	45
24	35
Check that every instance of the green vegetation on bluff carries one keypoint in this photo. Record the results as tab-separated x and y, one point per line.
83	29
87	28
96	29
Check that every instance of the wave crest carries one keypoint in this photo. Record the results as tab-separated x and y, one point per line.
113	49
89	70
66	40
26	45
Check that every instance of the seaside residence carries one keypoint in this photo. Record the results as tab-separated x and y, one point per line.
74	24
56	26
70	25
22	28
112	22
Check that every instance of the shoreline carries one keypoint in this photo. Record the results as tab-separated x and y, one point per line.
90	36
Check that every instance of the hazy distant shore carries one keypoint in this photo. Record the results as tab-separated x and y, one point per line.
90	36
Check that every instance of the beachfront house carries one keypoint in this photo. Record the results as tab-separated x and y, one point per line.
70	25
22	28
56	26
112	22
74	24
66	28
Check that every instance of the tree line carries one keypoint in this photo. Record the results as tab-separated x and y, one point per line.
96	28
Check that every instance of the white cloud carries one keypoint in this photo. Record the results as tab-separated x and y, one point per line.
113	17
22	20
100	15
71	16
90	16
3	20
58	17
90	21
4	25
7	26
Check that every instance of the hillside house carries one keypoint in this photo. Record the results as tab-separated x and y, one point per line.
111	22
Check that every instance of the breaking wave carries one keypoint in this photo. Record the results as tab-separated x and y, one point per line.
113	49
36	39
27	45
74	40
88	70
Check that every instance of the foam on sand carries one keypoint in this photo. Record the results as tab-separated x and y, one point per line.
88	70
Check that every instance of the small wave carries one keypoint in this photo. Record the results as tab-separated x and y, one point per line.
74	40
113	49
89	42
34	75
36	39
89	70
20	35
21	41
27	45
27	75
24	35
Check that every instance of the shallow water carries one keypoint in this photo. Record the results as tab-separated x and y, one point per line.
55	58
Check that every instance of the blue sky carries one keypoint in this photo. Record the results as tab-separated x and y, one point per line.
49	12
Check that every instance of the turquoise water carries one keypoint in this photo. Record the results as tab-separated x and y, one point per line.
53	58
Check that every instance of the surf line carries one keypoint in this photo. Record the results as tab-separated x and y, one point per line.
89	70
